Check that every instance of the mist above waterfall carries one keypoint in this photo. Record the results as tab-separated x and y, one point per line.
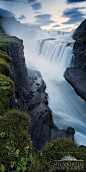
13	27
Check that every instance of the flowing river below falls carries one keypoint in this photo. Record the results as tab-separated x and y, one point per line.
51	57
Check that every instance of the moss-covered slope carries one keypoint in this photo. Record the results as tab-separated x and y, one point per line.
4	67
15	146
4	56
6	40
6	91
16	151
6	85
45	159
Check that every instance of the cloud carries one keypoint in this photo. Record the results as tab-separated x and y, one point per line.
43	16
44	22
14	0
36	6
44	19
30	1
74	15
37	12
75	1
57	25
5	13
22	17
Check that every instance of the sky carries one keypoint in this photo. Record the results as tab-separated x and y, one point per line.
63	15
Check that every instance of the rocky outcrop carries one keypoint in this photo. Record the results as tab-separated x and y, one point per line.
80	31
77	78
42	129
76	75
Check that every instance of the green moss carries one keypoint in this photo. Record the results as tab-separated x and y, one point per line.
6	41
6	91
4	56
16	148
4	67
55	151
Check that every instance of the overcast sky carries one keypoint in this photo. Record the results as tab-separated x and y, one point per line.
48	14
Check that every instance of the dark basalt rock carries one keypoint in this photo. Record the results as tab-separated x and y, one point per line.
81	146
18	72
79	33
76	75
42	129
70	133
77	78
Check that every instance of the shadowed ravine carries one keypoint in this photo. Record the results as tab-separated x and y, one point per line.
68	109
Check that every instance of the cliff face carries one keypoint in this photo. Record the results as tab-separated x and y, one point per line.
76	75
18	74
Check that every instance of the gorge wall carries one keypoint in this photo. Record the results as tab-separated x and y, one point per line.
76	75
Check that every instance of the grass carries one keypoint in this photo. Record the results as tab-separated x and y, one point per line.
4	56
6	91
16	148
4	67
55	150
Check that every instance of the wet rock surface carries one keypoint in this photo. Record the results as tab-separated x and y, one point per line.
76	75
42	129
77	78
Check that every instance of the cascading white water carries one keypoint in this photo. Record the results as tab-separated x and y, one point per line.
58	54
68	109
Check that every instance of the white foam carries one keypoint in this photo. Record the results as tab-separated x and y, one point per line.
68	109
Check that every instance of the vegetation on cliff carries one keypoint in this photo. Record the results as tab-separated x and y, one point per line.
57	149
6	40
6	85
4	67
15	146
16	150
4	56
6	91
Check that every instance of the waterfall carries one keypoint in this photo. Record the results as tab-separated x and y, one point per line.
59	54
68	109
54	55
